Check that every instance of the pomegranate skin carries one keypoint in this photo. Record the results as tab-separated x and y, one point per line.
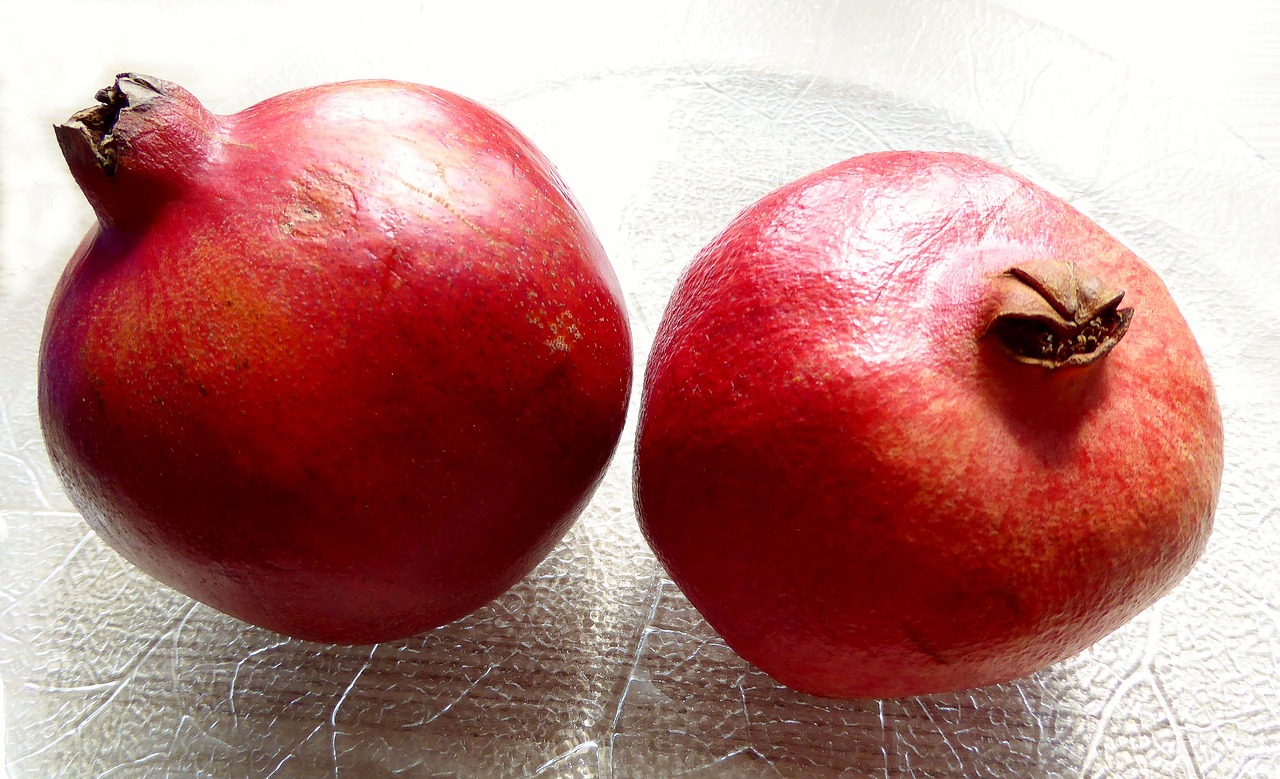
345	365
844	470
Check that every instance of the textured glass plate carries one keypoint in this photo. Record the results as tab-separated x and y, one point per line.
666	120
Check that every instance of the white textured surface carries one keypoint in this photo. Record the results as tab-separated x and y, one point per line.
1223	57
665	121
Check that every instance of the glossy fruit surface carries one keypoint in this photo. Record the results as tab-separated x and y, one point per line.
914	424
346	364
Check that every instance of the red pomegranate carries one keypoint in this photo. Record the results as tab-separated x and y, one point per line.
346	364
913	424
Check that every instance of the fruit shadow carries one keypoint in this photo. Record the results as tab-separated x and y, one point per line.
521	683
104	667
693	707
1042	410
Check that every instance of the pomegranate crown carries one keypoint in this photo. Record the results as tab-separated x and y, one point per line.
1053	314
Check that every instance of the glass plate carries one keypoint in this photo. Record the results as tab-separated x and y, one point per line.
665	120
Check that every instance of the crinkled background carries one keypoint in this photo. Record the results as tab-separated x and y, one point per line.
665	119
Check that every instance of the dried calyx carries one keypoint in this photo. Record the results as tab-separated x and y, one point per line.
1052	314
93	127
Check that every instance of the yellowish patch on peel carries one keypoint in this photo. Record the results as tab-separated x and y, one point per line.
563	331
220	321
319	195
298	214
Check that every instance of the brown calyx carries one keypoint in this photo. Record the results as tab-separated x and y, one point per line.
140	147
93	127
1052	314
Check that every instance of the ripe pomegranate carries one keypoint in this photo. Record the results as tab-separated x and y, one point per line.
913	424
346	364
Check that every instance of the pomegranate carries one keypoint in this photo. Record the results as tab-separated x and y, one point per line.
913	424
345	365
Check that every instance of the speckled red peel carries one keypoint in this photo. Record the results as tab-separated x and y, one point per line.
346	364
898	434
